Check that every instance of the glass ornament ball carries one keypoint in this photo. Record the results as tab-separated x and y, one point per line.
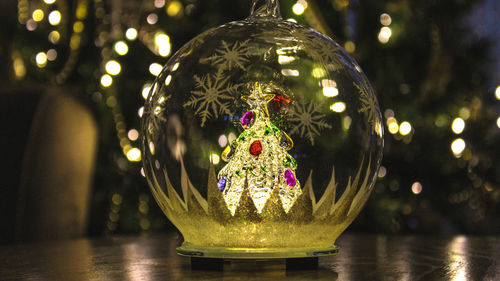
261	138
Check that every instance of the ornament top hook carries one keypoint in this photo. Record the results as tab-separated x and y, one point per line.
269	9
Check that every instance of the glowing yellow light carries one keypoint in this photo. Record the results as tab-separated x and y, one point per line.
458	125
385	19
214	158
41	59
416	187
405	128
392	125
37	15
131	34
175	67
222	140
299	7
106	80
318	72
173	8
78	27
152	18
457	147
285	59
31	25
140	112
338	107
168	80
74	42
157	110
346	122
134	154
498	122
81	11
49	1
464	113
19	68
155	68
51	54
382	172
384	34
349	46
290	72
497	93
54	17
145	91
113	67
162	42
159	3
133	134
54	37
121	48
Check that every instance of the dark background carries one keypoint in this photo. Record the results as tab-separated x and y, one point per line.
440	63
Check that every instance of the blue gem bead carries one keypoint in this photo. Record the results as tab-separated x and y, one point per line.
222	183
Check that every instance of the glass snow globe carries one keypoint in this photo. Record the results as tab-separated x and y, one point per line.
261	138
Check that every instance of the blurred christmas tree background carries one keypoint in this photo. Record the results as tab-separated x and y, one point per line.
434	64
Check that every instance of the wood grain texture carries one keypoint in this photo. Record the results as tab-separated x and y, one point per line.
361	257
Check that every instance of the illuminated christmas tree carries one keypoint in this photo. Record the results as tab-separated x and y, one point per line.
258	158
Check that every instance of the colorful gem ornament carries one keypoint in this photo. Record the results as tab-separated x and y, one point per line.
285	179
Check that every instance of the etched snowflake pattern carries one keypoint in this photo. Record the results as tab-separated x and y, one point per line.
212	96
230	56
369	105
317	48
309	122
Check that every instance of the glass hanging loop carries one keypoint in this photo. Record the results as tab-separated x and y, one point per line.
265	8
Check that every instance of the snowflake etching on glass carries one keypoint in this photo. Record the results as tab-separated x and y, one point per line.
369	105
212	96
230	56
309	122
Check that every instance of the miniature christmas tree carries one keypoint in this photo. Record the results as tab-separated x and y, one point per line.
258	158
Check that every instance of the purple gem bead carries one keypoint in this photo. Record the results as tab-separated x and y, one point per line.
290	178
222	183
247	118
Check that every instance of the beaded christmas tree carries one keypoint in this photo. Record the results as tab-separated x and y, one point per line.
258	158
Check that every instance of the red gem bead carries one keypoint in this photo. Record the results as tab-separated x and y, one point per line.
280	102
256	148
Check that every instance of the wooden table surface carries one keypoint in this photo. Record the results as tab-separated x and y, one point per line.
361	257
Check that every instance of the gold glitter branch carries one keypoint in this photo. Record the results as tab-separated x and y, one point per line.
307	224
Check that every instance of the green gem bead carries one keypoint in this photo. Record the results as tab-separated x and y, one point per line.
239	173
263	169
267	131
275	129
242	136
251	171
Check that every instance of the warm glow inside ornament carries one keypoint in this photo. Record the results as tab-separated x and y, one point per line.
247	125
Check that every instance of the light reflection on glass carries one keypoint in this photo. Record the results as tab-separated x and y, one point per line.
285	59
290	72
338	107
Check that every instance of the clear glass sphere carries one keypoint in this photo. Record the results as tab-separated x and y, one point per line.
261	133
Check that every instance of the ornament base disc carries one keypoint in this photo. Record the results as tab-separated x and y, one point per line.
190	250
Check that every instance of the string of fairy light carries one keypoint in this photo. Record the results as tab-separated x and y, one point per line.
54	18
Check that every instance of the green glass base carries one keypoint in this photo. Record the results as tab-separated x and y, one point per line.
189	250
